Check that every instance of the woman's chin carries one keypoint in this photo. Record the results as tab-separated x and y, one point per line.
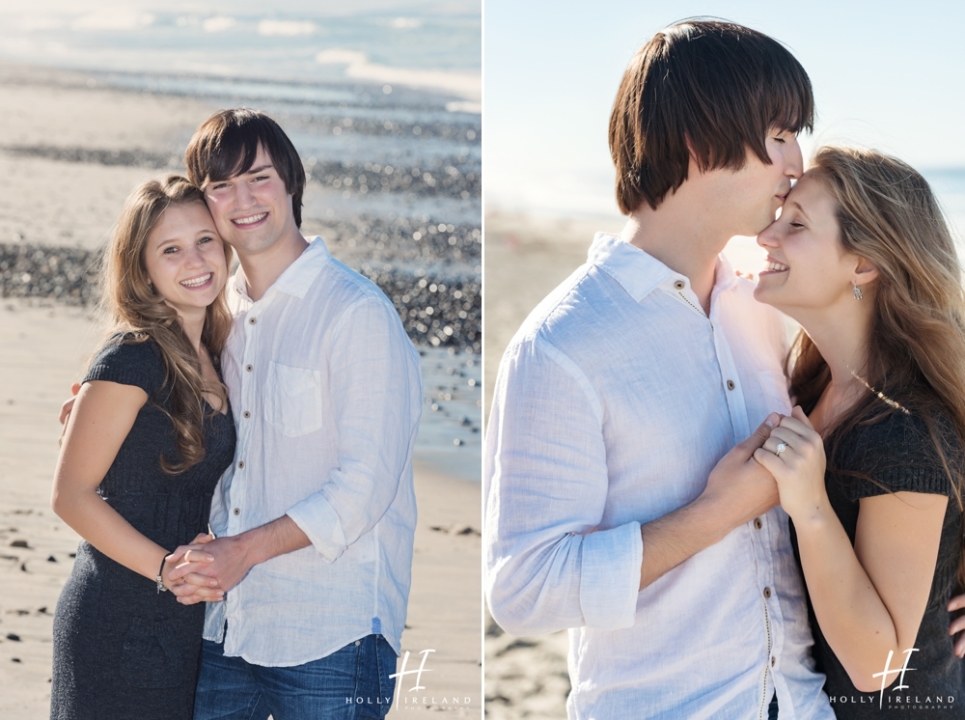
774	299
770	289
764	294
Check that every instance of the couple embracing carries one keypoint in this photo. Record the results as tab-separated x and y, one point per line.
293	383
731	528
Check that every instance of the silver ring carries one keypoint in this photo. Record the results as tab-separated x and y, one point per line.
781	447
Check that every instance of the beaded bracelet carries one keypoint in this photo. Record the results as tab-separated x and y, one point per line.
160	577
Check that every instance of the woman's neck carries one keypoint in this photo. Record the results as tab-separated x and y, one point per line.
841	340
193	327
834	403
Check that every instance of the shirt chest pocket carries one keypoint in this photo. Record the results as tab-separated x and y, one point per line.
293	401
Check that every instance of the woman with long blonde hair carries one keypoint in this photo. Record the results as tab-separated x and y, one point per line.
870	464
147	439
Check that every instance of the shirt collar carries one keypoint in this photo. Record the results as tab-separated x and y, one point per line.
297	277
724	276
639	273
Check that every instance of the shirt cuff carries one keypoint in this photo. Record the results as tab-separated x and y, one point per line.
214	618
316	517
610	577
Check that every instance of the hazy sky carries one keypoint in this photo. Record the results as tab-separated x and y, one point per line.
886	74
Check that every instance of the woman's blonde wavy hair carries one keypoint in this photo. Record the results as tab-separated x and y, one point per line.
136	309
887	214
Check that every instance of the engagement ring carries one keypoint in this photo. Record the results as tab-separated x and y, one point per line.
781	447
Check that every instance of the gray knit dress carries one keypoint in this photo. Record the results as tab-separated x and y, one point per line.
122	650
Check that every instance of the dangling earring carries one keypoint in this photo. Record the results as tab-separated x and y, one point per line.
858	295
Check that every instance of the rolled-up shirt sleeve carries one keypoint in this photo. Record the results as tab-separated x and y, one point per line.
376	399
549	565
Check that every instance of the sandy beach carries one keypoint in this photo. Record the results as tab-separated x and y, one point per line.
88	145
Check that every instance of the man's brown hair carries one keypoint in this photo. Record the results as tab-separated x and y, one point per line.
226	145
704	87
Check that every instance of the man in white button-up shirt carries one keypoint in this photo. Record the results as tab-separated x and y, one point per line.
607	511
315	521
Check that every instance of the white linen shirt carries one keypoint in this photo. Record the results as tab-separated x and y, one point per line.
613	403
326	394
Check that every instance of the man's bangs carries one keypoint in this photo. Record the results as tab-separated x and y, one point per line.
232	154
790	102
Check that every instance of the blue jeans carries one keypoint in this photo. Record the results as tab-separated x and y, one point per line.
350	684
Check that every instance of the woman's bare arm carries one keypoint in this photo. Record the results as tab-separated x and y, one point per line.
870	599
101	418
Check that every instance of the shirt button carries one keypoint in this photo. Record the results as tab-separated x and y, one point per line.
773	661
248	368
241	464
237	511
246	414
767	592
252	321
758	524
679	285
730	385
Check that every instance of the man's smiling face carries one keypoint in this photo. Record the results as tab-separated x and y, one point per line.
252	209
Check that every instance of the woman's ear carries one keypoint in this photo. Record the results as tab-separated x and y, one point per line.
864	273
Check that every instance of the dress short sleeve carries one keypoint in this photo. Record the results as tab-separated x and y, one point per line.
899	454
128	361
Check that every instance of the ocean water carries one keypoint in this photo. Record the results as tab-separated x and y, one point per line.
413	44
381	67
949	186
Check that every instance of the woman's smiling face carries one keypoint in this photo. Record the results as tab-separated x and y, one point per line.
807	267
185	258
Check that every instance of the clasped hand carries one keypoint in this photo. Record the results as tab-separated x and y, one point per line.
740	489
752	478
206	569
799	467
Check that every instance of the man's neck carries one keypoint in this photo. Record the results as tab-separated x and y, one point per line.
679	237
261	270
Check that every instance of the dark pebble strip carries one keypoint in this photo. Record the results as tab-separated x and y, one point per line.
437	311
